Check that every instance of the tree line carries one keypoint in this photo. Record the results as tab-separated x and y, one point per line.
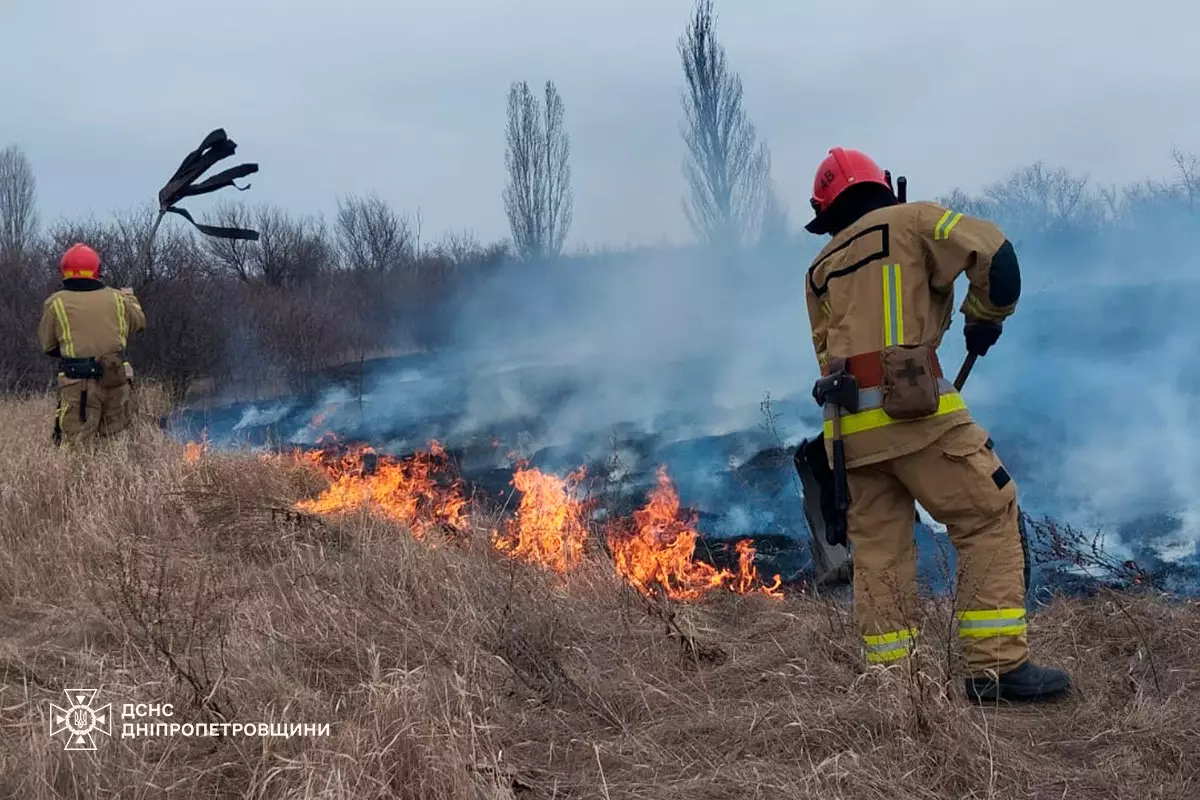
312	293
254	314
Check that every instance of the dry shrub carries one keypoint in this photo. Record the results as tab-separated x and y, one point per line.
445	670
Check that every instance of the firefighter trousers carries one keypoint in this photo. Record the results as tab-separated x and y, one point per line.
961	482
87	411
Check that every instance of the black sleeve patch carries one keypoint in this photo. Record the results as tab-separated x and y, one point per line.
989	444
1000	477
1004	277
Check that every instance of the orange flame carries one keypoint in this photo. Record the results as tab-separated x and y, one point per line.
657	550
748	573
653	549
414	491
194	451
550	524
318	419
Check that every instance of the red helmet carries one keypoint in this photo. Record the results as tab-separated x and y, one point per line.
840	170
80	261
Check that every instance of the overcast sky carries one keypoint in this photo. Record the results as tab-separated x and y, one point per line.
407	99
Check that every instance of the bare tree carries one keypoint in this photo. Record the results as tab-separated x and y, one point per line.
559	197
727	168
172	249
231	256
18	204
288	251
538	197
959	200
23	274
1041	200
1189	175
523	201
371	237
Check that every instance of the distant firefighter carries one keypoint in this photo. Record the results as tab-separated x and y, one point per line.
86	326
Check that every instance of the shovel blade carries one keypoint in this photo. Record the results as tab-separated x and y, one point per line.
832	563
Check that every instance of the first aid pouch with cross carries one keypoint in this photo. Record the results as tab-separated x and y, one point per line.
910	387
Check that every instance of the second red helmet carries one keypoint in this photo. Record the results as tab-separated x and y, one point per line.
80	261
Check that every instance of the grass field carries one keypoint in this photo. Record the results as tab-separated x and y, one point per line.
445	669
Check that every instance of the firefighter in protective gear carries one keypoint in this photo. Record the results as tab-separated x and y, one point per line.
86	326
880	296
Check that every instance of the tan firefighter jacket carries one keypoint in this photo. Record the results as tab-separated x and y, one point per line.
91	322
889	279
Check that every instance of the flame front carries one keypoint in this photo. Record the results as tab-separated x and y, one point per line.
550	524
652	550
415	491
657	548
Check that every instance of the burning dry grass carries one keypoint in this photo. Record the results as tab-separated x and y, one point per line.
653	550
456	671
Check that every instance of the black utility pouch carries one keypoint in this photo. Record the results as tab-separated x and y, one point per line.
81	369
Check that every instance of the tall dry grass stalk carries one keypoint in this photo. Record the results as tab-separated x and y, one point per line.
446	671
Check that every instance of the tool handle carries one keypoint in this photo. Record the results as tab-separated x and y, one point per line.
837	533
965	370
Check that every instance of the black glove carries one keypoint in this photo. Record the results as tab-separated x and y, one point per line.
980	336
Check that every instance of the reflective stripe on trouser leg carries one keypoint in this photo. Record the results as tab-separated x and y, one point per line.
880	528
994	622
885	647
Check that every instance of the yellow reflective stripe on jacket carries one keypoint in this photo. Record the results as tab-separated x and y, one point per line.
891	646
122	323
946	224
994	622
65	344
893	306
978	309
878	418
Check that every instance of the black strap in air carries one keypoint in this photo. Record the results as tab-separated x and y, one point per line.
216	146
219	232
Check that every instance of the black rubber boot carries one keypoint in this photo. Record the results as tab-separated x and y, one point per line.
1026	683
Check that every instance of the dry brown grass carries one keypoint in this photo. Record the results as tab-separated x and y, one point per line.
450	672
